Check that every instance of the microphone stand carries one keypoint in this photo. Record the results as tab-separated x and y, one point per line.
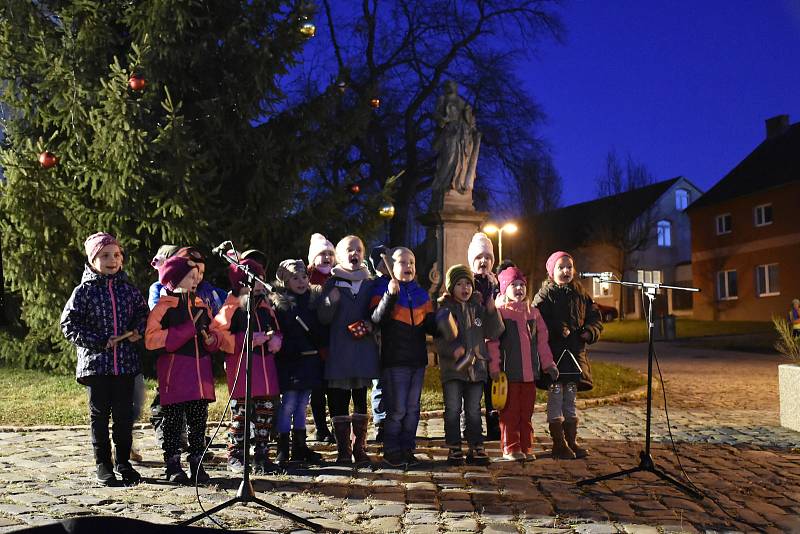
646	462
245	493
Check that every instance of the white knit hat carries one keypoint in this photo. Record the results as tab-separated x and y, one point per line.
480	243
317	246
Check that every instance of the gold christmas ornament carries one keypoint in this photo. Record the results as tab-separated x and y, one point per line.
375	103
386	210
308	29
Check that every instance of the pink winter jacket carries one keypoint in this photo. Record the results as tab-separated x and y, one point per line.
522	351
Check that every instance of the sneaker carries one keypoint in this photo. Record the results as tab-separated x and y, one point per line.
515	456
477	456
235	465
105	475
394	458
128	474
529	456
455	456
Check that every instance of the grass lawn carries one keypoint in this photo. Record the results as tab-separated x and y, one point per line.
30	398
635	331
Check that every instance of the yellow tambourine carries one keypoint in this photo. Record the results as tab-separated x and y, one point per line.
500	391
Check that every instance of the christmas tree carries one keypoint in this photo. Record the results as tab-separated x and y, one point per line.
146	119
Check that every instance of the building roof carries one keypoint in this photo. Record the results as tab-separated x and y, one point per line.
776	161
576	223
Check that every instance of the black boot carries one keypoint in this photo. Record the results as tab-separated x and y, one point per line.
492	426
173	471
282	459
262	464
300	451
379	432
127	473
198	474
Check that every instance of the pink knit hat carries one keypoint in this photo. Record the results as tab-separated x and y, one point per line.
173	270
553	259
95	243
237	277
507	276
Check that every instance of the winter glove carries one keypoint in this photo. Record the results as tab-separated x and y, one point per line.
446	324
259	338
553	372
274	344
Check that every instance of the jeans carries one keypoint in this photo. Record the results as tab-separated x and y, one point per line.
378	405
470	393
293	410
561	401
402	387
110	396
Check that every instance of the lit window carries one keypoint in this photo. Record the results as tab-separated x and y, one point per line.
724	224
600	289
681	199
767	280
763	215
648	277
664	234
727	287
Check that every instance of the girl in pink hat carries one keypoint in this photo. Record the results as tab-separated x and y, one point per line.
573	321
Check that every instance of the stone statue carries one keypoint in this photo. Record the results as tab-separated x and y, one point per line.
457	143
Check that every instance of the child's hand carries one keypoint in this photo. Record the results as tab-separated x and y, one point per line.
586	336
490	305
494	375
275	343
394	287
259	338
565	331
459	352
135	336
208	339
553	372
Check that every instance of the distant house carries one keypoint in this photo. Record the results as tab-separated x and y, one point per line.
639	235
745	232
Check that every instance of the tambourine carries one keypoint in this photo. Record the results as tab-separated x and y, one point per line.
500	391
358	329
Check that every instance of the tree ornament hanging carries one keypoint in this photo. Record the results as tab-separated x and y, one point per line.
355	189
47	160
375	103
136	82
308	29
341	86
386	211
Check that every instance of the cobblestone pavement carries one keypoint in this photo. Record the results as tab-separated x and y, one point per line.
746	465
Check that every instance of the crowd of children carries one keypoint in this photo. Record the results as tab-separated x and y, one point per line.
322	335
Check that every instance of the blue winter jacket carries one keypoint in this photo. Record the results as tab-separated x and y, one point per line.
100	307
214	297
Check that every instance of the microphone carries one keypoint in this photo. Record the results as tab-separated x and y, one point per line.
606	274
220	249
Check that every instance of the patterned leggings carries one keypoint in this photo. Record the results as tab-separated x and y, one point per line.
196	415
260	425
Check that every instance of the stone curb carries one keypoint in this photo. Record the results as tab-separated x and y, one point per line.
637	394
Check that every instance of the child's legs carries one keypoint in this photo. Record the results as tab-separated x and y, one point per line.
263	419
411	420
395	382
527	398
299	416
289	402
473	391
138	396
509	419
359	396
98	389
569	409
555	402
236	430
339	402
453	391
171	429
196	416
122	387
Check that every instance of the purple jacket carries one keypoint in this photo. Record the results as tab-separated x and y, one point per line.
101	307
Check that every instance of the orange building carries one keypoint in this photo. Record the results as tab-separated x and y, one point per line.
746	233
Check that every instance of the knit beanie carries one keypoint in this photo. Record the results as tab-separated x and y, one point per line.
288	268
553	259
456	273
173	270
508	275
317	245
95	243
164	252
192	253
237	278
480	243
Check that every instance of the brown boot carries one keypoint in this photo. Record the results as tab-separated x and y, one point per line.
360	423
571	434
561	450
341	427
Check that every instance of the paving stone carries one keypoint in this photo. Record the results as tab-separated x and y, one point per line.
383	524
15	509
87	500
68	510
499	528
34	499
388	510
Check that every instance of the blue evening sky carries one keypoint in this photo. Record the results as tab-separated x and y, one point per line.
683	86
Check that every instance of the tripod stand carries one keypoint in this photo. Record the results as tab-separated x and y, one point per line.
646	462
245	493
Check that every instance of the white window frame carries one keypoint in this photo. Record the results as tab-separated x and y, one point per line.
720	227
648	277
726	275
762	209
664	233
768	291
600	289
682	199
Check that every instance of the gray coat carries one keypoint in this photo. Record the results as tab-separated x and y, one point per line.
475	326
348	357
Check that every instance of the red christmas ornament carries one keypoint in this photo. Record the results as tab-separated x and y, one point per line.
137	83
375	103
355	189
47	160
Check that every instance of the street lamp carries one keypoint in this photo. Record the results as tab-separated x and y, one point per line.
492	229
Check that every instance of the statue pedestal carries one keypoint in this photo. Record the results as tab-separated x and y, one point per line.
450	231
